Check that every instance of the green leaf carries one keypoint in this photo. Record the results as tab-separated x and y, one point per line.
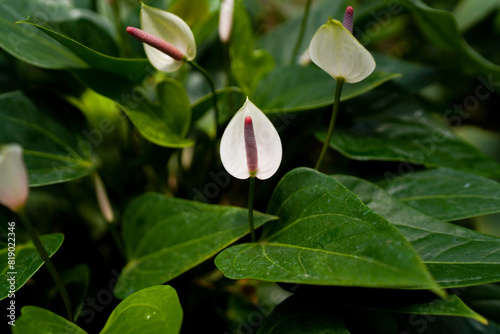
27	261
469	12
296	316
442	30
456	256
76	280
165	237
50	149
326	236
154	310
167	121
447	194
36	320
296	88
393	126
248	66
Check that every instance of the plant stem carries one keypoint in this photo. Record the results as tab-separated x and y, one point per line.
212	88
251	189
48	263
301	32
122	36
336	102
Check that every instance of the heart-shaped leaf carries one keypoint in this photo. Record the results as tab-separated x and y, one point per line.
52	153
27	260
456	256
167	236
326	236
447	194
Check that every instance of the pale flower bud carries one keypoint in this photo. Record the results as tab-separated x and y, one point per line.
14	187
103	200
226	20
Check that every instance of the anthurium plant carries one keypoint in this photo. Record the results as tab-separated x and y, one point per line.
249	166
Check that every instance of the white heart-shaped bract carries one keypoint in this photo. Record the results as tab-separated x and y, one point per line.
336	51
14	187
226	20
232	145
172	29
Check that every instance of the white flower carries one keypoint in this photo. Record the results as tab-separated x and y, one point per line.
173	31
14	188
238	154
226	20
336	51
103	200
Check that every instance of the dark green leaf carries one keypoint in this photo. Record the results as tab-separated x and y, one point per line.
76	280
153	310
296	88
27	261
447	194
52	152
393	126
469	12
296	316
166	236
456	256
36	320
326	236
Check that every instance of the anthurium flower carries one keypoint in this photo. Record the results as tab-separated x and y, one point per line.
250	145
226	20
167	39
336	51
14	186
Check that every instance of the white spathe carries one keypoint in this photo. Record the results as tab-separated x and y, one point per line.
14	188
172	29
232	145
336	51
226	20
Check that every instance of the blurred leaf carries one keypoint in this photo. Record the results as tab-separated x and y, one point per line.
76	280
248	66
456	256
469	12
204	104
50	149
296	316
36	320
153	310
167	121
326	236
392	126
166	236
27	260
442	30
447	194
296	88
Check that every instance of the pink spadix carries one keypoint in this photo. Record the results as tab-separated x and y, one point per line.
348	18
156	42
250	145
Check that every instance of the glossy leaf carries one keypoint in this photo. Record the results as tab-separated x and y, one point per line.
447	194
326	236
166	236
393	126
36	320
297	88
167	121
442	30
296	316
52	153
456	256
27	261
154	310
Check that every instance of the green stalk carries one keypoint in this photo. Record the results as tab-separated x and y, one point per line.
301	32
336	102
48	263
212	88
251	189
122	36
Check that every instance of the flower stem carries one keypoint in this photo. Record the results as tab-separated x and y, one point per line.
122	37
212	88
336	102
251	189
48	263
301	32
